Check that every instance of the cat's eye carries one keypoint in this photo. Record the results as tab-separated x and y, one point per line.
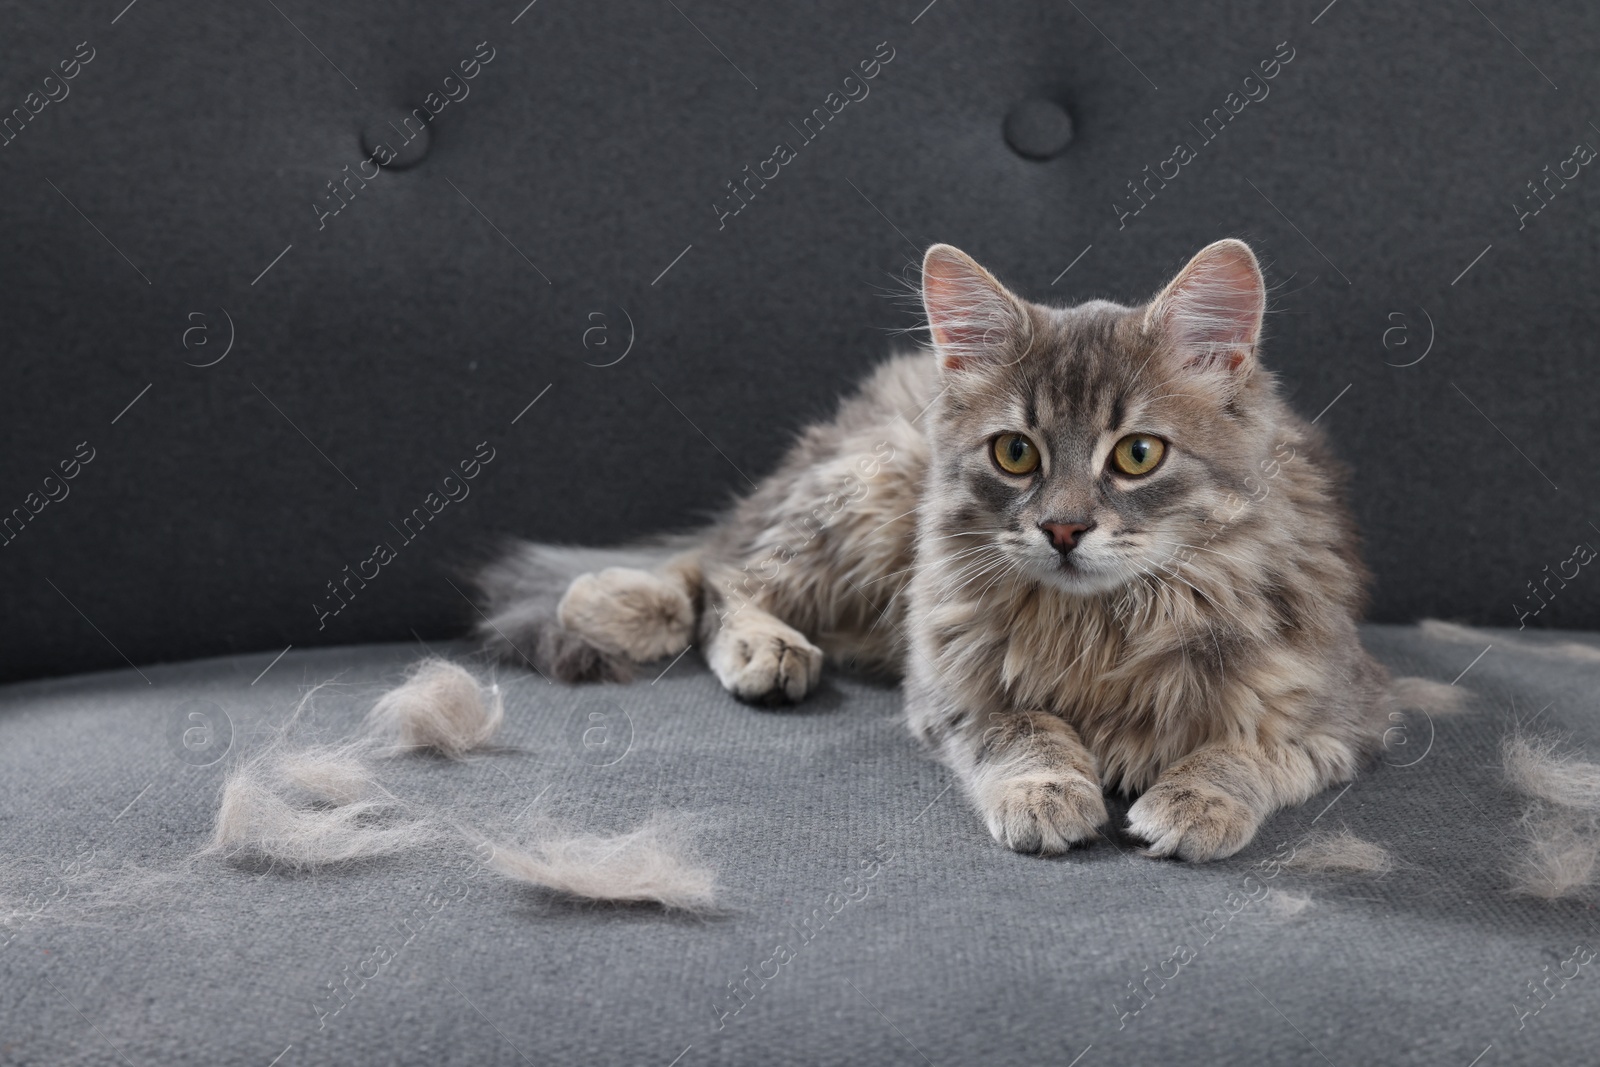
1015	454
1138	454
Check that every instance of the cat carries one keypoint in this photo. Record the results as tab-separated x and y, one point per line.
1095	543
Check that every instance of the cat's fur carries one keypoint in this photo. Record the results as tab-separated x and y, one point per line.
1198	646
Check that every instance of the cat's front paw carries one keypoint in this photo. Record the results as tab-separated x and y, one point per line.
1191	820
1046	812
764	661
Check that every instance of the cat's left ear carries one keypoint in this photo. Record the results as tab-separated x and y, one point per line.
1210	314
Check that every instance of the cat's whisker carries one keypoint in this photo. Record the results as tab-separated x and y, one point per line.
969	574
953	536
965	558
970	565
891	574
912	567
1009	568
1215	552
898	517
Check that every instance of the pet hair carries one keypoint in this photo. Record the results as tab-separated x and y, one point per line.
1428	696
1561	825
441	707
645	865
1466	635
1340	853
1281	905
342	813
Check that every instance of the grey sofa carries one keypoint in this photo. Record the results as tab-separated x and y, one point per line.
239	352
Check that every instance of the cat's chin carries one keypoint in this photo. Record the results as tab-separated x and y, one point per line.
1080	581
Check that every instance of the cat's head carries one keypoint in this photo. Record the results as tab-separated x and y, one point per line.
1086	446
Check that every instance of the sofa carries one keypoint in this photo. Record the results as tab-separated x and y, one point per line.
308	308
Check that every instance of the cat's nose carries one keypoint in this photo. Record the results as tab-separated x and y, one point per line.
1065	535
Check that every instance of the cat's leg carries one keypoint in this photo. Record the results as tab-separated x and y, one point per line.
1034	782
641	615
756	655
1027	772
1210	803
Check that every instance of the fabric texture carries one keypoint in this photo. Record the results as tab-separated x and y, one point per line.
571	227
864	908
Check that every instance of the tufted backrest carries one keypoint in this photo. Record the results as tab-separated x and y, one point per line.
620	250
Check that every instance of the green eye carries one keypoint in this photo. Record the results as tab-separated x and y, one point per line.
1138	454
1015	454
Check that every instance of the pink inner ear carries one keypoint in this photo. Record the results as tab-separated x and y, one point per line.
957	335
1213	309
968	312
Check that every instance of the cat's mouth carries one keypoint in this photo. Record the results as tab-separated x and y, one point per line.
1081	577
1078	563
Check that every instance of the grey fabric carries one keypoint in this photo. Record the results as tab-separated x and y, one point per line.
1393	150
947	949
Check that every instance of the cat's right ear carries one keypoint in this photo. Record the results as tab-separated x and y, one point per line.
972	317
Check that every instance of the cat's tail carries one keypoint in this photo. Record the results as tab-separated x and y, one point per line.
589	614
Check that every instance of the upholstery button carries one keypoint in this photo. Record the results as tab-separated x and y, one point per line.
1038	128
407	153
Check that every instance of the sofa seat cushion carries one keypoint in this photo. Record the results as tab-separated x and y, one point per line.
866	915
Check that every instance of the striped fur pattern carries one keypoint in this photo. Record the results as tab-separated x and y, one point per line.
1197	645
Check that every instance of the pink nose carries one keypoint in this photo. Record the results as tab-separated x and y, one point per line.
1064	535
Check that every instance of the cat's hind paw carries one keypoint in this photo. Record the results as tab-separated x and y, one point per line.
1044	812
629	612
1193	821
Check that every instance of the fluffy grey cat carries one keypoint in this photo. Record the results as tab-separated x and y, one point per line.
1094	541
